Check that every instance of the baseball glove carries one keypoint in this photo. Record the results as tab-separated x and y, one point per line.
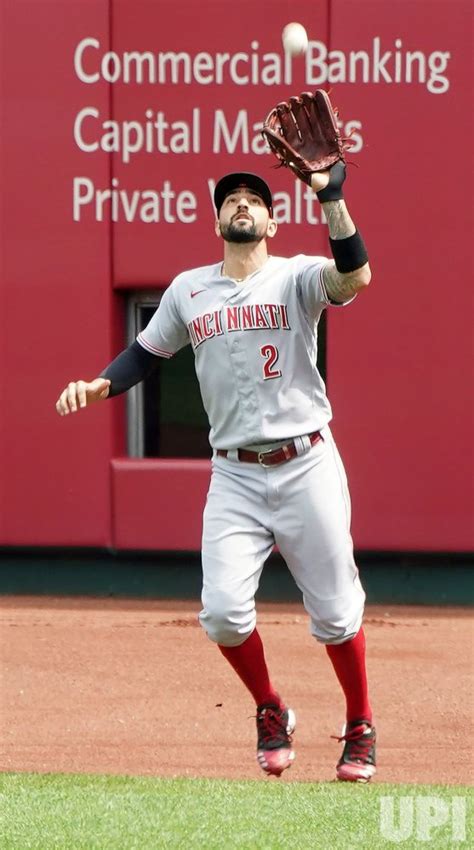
303	134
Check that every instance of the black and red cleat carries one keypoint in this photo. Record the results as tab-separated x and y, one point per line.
357	763
275	726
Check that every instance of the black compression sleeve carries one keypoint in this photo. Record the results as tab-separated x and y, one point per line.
349	254
129	368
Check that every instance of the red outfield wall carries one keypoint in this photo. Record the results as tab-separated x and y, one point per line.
182	88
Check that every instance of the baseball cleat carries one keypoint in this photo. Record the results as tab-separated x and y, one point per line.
357	763
275	726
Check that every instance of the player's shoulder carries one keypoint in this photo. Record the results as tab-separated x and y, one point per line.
303	261
199	273
190	278
297	264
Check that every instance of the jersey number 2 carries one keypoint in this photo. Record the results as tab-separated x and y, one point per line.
270	353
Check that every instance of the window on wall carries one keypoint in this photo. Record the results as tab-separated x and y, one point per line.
166	417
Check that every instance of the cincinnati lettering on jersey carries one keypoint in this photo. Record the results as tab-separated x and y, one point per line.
246	317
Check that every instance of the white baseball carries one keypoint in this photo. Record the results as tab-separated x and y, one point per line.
294	38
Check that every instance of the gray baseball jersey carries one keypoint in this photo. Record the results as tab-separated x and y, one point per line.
255	347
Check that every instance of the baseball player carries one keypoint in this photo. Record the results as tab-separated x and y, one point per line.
277	477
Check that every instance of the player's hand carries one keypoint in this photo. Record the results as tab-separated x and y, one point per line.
328	184
81	393
319	180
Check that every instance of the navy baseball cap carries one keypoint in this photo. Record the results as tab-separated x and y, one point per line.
242	179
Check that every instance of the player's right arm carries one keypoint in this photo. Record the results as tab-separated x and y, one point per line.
129	368
164	335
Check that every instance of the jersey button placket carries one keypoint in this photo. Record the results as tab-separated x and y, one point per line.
243	382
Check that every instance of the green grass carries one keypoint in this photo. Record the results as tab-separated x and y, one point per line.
82	812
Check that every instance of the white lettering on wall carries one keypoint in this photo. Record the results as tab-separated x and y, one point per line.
392	64
148	205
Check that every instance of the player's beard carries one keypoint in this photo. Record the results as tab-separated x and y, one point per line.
232	233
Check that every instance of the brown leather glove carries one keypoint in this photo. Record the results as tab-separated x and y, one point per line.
303	134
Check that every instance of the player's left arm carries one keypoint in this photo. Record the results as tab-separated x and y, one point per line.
349	272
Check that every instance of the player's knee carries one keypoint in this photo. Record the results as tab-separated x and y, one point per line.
329	635
337	619
338	628
224	620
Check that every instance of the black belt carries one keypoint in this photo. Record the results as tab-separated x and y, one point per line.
274	456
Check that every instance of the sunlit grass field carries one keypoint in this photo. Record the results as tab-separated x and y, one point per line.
82	812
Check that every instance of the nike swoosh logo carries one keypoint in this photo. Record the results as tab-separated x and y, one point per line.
197	292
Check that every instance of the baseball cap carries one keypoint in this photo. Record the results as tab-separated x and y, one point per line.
230	182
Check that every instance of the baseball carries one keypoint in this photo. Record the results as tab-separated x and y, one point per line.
294	38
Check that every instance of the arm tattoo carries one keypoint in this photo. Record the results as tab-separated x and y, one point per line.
341	287
339	221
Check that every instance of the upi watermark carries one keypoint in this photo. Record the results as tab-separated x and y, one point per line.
422	816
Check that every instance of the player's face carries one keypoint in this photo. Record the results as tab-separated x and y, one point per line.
243	217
